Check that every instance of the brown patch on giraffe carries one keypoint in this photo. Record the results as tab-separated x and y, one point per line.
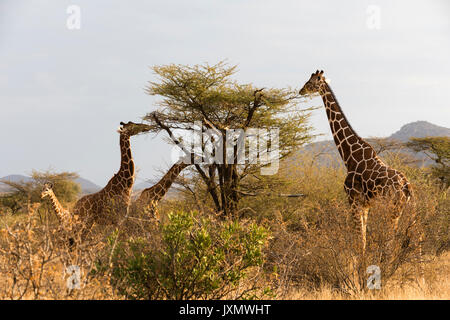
354	148
336	126
338	116
360	167
352	140
347	131
391	173
358	154
340	135
346	150
368	153
333	116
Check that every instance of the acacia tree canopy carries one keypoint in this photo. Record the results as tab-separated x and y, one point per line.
208	95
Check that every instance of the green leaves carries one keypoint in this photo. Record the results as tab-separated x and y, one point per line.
198	258
208	94
438	150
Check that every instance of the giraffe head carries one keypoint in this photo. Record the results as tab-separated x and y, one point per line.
47	190
132	129
312	86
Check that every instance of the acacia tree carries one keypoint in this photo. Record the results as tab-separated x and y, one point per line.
207	95
438	150
23	192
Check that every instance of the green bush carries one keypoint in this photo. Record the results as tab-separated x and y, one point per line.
191	258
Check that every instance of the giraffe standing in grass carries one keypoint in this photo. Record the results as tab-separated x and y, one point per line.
149	198
107	205
65	217
367	176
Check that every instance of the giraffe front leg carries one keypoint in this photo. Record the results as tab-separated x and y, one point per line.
360	215
359	209
364	215
153	210
399	205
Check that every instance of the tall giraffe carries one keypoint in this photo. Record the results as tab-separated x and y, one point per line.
105	206
367	176
149	198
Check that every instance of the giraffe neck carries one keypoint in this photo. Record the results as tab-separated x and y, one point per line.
346	139
126	159
122	182
57	207
156	192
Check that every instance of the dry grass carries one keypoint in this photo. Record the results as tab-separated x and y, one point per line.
435	286
312	254
36	259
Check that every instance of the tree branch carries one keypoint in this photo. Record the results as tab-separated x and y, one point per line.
256	104
287	195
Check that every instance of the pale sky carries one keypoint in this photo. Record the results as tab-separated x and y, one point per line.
63	92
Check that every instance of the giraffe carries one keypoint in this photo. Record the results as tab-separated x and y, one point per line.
149	198
105	206
65	217
368	177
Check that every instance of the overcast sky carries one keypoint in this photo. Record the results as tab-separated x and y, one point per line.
63	92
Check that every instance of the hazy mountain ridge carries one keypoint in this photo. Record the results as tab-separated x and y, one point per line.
86	185
418	129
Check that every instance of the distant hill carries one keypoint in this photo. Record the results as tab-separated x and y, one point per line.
418	129
17	178
87	186
13	178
